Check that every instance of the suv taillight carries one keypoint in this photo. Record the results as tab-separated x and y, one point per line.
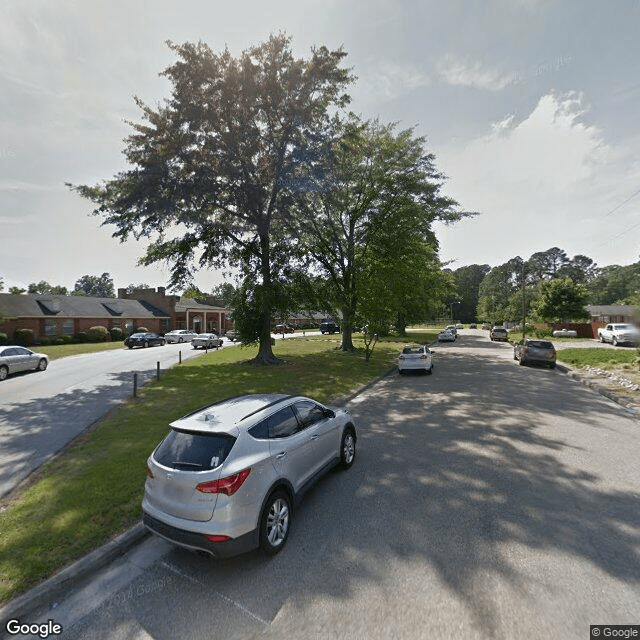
228	485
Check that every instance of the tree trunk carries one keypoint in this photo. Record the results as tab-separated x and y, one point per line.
265	352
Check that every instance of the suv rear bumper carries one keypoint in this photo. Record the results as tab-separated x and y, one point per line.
198	541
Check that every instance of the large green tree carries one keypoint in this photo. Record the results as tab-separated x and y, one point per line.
468	280
375	191
216	167
43	287
94	286
561	300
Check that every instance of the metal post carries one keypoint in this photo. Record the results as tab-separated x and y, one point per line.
135	385
158	370
179	357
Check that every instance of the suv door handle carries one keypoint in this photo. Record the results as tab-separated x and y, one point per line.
315	436
282	454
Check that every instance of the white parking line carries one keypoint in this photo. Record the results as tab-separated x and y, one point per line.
239	605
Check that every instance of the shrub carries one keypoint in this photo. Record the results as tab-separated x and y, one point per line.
4	338
81	336
45	341
543	332
65	340
116	334
23	337
97	334
141	330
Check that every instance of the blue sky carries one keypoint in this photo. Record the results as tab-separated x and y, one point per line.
531	107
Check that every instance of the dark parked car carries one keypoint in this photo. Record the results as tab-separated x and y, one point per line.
540	351
283	328
146	339
329	327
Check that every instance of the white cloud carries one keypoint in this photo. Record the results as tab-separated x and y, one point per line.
389	81
545	180
467	73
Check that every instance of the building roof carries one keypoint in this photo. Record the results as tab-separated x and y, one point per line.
193	305
611	309
54	306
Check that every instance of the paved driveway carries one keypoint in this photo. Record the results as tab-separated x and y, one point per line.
487	501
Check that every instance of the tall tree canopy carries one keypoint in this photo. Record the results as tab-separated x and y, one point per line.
376	194
95	286
215	168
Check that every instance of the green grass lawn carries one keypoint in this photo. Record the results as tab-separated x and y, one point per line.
93	491
56	351
597	357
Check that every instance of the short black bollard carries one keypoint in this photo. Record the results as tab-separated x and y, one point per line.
179	357
135	385
158	370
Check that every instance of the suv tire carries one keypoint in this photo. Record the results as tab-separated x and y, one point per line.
275	523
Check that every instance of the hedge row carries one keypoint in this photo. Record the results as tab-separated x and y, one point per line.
94	334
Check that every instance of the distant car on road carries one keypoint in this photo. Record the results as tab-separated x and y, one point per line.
415	358
226	478
283	328
538	351
144	339
180	335
446	336
499	334
453	328
329	327
206	341
473	325
14	359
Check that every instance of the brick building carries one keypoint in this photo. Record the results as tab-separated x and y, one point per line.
53	315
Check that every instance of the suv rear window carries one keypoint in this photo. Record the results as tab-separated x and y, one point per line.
191	451
540	344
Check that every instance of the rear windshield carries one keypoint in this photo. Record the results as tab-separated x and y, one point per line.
540	344
414	350
193	451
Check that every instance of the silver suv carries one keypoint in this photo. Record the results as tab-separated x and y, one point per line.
226	477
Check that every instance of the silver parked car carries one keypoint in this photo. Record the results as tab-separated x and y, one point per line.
446	336
415	358
538	351
207	341
180	335
226	477
14	359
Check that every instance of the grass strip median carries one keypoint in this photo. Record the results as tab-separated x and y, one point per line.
93	491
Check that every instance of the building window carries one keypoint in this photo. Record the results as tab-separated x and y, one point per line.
128	326
67	327
50	328
164	325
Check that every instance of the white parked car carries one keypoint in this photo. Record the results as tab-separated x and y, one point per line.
415	358
14	359
446	336
180	335
207	341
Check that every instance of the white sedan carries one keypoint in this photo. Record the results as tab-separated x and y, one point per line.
180	335
446	336
415	358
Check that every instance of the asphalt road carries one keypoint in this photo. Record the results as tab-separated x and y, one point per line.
488	500
41	412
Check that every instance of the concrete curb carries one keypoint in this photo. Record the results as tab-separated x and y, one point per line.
69	577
